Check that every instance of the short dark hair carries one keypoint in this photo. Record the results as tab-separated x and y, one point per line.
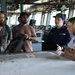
24	13
2	12
72	20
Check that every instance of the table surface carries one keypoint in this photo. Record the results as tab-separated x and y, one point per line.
36	63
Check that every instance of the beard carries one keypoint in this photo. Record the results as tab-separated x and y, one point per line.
23	22
2	24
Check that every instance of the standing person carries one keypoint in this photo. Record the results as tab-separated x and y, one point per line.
5	33
25	29
70	49
58	37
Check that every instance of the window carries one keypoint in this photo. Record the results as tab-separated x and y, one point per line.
74	13
45	18
67	12
38	18
12	20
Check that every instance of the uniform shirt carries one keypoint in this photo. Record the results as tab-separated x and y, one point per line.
25	29
71	44
58	36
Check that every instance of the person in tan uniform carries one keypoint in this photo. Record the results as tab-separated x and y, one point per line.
25	29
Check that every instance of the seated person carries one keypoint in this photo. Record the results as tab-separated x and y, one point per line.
25	29
70	49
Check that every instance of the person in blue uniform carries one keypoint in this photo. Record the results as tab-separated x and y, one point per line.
58	37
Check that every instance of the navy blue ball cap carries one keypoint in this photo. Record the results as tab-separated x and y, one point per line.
60	15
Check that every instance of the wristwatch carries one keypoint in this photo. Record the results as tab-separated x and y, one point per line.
29	38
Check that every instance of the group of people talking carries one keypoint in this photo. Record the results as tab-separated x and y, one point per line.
60	38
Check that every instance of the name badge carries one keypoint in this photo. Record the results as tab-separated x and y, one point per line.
62	34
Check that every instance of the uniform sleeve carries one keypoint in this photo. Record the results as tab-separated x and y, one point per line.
67	39
70	44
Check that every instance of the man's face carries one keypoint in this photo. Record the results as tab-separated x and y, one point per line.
2	23
23	19
70	27
59	22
